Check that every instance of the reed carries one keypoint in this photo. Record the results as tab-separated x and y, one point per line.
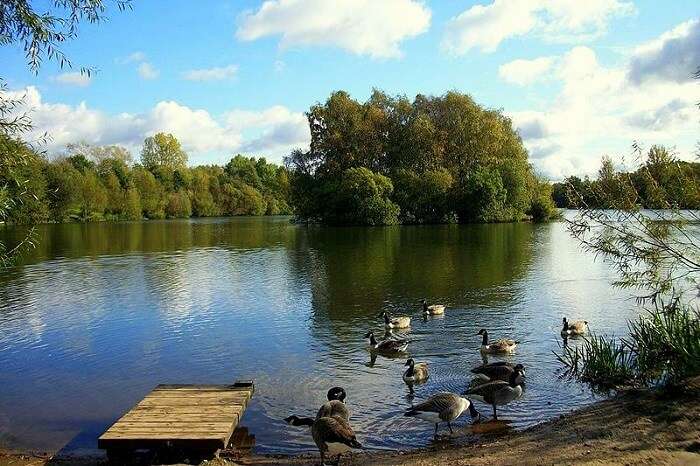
663	347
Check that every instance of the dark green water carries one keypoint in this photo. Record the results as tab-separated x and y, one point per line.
100	313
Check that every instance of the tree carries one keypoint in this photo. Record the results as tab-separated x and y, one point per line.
363	198
179	205
98	154
444	140
163	151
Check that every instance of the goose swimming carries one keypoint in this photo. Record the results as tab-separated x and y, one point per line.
503	345
386	346
573	329
416	372
495	371
396	322
433	310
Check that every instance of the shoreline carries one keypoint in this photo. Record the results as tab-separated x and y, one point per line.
637	426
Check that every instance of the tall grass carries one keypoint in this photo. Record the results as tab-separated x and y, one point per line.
663	346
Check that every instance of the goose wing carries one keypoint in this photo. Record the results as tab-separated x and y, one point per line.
487	391
334	429
503	344
439	403
333	408
500	372
391	345
578	327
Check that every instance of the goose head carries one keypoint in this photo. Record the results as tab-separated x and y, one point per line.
484	336
410	362
565	324
369	334
386	317
336	393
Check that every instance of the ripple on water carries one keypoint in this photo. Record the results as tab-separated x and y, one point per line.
84	335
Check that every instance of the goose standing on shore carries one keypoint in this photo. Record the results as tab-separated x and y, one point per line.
433	310
503	345
442	407
332	434
396	322
416	372
335	406
574	329
386	346
499	393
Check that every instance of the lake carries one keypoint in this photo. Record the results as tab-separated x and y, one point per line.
100	313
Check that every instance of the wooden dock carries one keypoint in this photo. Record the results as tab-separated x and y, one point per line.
185	417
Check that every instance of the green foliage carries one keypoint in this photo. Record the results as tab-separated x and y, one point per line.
542	206
446	157
661	182
163	151
424	198
179	205
363	198
663	347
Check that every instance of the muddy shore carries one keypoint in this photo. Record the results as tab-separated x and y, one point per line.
636	427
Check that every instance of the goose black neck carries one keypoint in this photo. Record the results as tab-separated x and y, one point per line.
485	338
410	370
566	325
513	381
425	307
472	410
386	318
302	421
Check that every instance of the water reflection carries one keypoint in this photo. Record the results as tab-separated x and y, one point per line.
100	313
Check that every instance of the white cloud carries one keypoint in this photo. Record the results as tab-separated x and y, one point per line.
364	27
599	112
484	27
272	132
147	71
73	79
674	56
524	72
211	74
135	57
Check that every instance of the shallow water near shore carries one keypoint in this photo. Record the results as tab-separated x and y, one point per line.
100	313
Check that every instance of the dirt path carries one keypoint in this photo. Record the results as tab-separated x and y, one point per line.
636	428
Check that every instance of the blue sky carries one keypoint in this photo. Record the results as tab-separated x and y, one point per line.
579	79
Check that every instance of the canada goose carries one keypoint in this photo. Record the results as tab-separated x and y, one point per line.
495	371
498	392
433	310
386	346
442	407
332	434
396	322
575	328
416	373
504	345
335	406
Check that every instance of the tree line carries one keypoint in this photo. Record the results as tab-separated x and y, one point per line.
91	183
661	181
430	160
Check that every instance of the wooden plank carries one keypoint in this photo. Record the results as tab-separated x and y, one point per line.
193	416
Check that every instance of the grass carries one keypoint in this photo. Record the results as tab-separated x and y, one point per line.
663	347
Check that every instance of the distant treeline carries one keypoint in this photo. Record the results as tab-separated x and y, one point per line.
430	160
661	182
90	183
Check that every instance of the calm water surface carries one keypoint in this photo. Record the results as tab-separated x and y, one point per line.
101	313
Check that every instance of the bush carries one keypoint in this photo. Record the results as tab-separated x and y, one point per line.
362	198
663	346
